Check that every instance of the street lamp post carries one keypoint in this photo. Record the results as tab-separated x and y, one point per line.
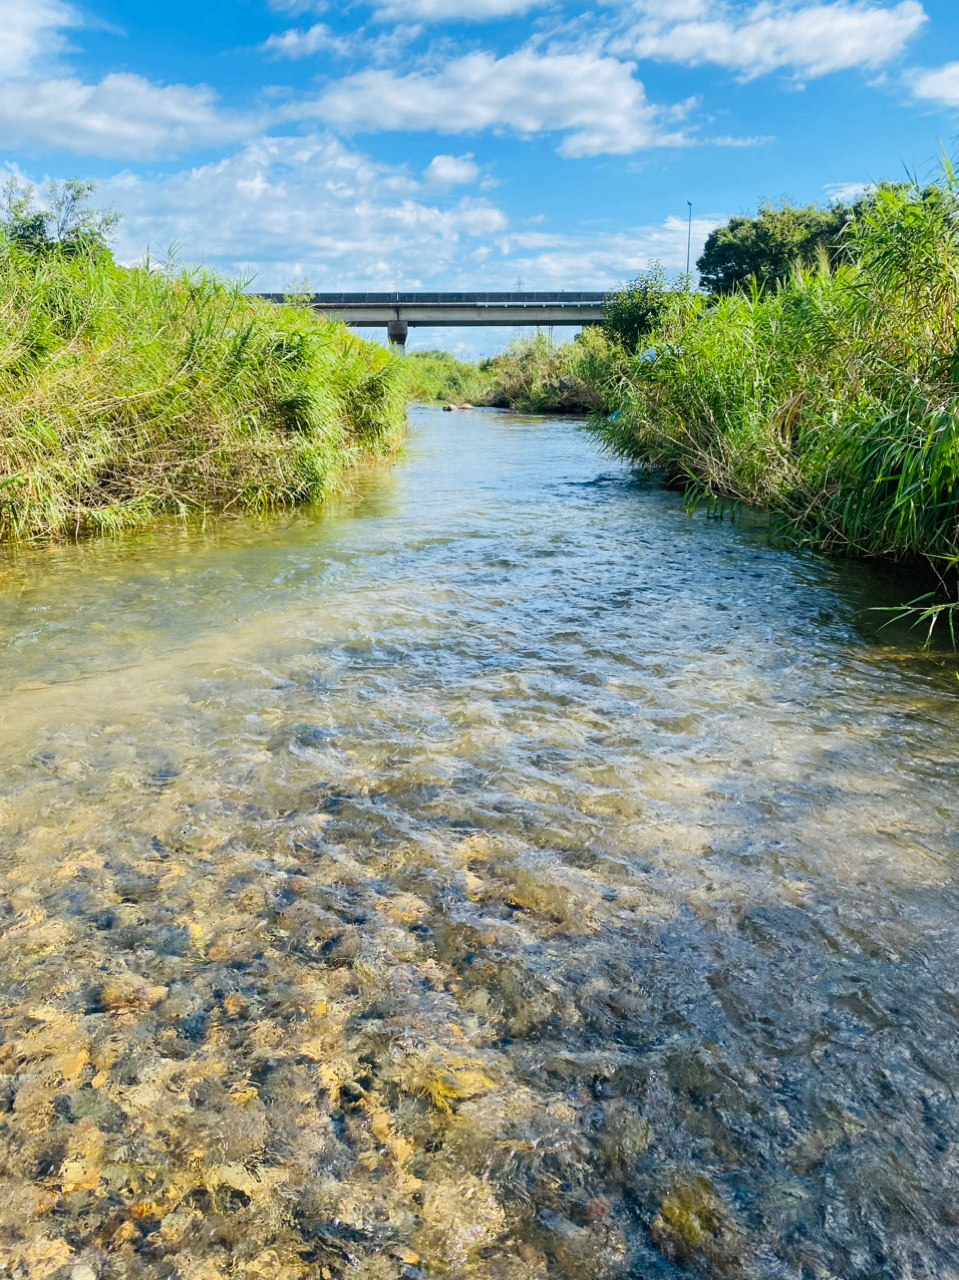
689	236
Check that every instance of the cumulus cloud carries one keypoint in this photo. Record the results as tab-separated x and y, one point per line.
303	44
384	48
33	33
753	140
451	171
846	192
603	259
595	101
289	208
284	208
808	39
423	10
123	116
297	7
940	85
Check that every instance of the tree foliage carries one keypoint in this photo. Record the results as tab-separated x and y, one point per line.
634	310
765	249
67	224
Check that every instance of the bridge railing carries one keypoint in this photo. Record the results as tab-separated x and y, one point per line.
555	298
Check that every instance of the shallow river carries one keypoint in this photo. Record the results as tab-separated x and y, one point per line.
498	874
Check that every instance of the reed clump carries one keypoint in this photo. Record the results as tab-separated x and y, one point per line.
130	393
533	374
832	398
537	375
437	377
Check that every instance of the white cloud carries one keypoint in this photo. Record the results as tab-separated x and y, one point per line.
289	208
732	140
297	7
303	44
123	116
454	10
383	49
940	85
451	171
595	101
602	259
32	33
808	39
422	10
846	192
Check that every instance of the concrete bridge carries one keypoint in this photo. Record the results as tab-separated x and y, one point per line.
400	312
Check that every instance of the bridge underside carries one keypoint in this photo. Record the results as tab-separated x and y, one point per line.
398	313
399	320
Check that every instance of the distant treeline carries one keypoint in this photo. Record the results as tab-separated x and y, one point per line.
534	374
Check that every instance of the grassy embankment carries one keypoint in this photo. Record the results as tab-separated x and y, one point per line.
436	377
126	394
533	374
833	398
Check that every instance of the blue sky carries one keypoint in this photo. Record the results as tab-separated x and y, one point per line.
466	143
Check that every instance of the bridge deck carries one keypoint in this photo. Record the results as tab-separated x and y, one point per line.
551	297
399	312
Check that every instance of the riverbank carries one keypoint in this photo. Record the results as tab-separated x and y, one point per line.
533	374
831	399
129	394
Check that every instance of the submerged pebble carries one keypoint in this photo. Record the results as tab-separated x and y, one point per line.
491	905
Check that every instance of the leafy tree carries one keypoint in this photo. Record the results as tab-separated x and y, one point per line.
765	249
69	224
635	309
22	222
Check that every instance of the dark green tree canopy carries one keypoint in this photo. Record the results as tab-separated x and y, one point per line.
68	224
765	249
634	310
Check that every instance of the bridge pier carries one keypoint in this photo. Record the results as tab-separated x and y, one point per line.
397	331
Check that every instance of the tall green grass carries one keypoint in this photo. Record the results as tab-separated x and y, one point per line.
537	375
437	377
533	374
125	394
833	398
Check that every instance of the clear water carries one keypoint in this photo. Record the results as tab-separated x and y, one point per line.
497	874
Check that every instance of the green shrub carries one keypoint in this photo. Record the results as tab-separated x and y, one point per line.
538	375
634	310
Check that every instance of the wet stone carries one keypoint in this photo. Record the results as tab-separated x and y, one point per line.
591	943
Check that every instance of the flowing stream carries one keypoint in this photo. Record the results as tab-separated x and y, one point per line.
498	873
